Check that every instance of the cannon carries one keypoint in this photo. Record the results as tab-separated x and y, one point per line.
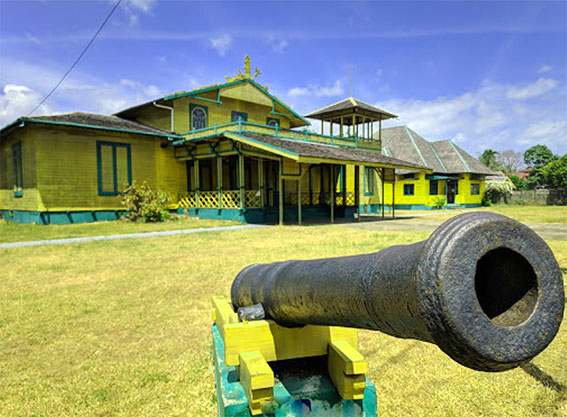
484	288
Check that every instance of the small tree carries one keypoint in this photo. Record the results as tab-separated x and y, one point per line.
510	161
519	183
555	173
495	191
142	203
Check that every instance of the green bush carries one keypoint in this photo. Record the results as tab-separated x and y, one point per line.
142	203
496	191
439	202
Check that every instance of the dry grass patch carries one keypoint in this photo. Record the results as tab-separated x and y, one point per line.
122	328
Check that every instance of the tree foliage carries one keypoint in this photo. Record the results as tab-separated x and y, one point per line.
537	157
510	161
519	183
488	158
496	191
555	173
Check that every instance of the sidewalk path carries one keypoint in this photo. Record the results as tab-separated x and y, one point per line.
124	236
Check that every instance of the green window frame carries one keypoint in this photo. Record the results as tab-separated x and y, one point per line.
18	169
102	149
433	187
475	189
368	180
409	189
192	108
238	115
273	121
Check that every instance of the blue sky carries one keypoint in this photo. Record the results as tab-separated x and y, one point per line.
485	74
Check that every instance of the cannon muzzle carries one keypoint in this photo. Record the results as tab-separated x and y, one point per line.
484	288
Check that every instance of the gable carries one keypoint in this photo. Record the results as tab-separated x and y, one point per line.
246	92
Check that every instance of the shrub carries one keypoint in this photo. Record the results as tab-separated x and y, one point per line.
142	203
496	191
439	202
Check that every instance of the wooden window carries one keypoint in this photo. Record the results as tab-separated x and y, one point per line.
18	171
475	189
368	180
433	187
408	189
237	115
199	116
270	121
114	166
409	176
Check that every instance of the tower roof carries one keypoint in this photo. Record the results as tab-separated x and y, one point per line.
348	107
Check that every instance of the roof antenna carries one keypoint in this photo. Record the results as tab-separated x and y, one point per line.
349	80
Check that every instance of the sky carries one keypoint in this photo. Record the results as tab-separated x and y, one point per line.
484	74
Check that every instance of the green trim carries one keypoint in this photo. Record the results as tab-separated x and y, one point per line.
437	156
368	180
243	116
415	146
460	156
113	145
246	80
60	217
272	119
236	136
192	107
409	189
18	171
138	132
210	100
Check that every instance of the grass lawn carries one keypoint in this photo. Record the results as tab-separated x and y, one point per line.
10	232
122	328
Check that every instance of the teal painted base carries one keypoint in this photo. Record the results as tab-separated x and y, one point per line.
59	217
377	208
313	396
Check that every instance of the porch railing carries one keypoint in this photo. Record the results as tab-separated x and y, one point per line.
230	199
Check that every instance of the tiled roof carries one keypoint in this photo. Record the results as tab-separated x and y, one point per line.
350	105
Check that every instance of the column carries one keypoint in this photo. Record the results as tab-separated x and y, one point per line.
299	199
241	179
394	196
357	191
332	186
219	180
383	178
197	182
261	181
280	190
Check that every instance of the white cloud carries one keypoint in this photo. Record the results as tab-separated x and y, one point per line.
541	86
496	116
336	89
144	5
278	43
17	101
543	69
33	39
221	43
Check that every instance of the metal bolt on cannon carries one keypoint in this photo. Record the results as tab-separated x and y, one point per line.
484	288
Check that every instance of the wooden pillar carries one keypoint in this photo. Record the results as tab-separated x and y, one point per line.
322	121
383	196
331	121
219	180
321	186
343	189
380	132
310	187
341	126
197	182
357	191
332	186
353	122
281	196
299	199
261	181
241	184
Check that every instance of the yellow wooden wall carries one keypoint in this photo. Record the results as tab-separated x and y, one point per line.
31	199
66	168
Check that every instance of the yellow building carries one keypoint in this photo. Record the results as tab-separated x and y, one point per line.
457	180
228	151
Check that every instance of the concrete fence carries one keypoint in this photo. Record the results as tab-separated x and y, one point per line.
555	197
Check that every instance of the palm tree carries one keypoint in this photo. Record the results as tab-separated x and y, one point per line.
488	158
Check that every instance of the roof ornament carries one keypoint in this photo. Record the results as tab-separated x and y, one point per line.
247	73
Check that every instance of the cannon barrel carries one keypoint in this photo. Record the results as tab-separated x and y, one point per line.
484	288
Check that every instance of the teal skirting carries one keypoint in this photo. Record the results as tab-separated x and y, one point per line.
59	217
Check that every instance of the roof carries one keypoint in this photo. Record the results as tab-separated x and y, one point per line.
442	156
94	121
349	106
305	150
200	90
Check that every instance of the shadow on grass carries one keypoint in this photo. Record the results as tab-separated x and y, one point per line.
544	378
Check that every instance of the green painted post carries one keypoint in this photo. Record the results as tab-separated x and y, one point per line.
299	199
280	191
383	196
261	181
197	183
219	180
241	178
357	191
332	186
394	197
